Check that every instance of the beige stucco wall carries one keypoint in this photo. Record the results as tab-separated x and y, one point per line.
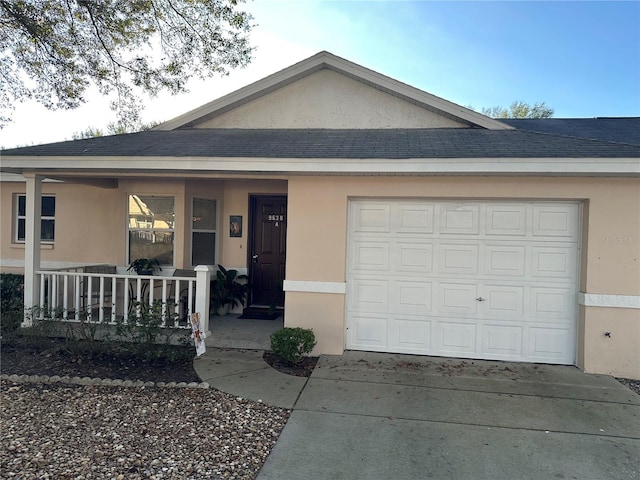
85	226
618	354
327	99
611	247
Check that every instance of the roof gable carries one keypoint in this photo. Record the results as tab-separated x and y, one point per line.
405	106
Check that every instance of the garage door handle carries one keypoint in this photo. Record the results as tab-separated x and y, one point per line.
480	299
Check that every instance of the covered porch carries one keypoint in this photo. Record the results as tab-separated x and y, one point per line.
230	331
92	295
90	279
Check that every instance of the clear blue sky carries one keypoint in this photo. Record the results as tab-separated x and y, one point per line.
581	58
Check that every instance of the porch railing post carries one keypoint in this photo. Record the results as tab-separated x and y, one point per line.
203	295
33	210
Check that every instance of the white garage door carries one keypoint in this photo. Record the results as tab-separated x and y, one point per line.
464	279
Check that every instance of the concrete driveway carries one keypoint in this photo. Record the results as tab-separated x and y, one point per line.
381	416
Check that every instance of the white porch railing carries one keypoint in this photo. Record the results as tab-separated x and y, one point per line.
110	297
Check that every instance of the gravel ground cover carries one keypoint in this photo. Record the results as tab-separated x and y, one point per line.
57	431
632	384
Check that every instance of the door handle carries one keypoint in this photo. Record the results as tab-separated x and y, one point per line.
255	258
480	299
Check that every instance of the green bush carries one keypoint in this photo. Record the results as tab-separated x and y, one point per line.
293	344
142	332
12	302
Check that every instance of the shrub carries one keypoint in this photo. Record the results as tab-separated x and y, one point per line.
141	333
293	344
12	298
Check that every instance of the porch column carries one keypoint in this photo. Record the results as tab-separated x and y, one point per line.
203	295
33	210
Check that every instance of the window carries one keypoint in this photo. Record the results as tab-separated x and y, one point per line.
203	232
151	227
47	218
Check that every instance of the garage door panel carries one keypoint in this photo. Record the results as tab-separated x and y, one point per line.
457	298
457	338
475	279
504	220
371	217
413	257
556	303
501	341
503	301
552	220
412	297
504	260
369	331
371	256
411	335
459	219
369	295
553	262
414	218
458	259
549	344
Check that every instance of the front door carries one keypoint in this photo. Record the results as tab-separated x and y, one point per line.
267	253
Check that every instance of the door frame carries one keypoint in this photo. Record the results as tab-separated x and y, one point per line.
253	217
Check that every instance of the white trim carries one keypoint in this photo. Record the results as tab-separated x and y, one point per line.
314	287
325	166
605	300
17	178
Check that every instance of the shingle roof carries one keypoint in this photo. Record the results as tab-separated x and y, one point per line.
621	130
325	143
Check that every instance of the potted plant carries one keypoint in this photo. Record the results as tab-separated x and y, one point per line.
144	266
227	291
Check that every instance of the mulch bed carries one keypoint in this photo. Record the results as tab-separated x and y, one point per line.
58	357
302	369
55	356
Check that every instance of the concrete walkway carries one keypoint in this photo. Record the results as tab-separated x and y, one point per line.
379	416
245	374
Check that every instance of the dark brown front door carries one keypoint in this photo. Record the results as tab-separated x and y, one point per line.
268	247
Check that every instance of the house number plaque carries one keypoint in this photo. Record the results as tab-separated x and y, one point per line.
275	218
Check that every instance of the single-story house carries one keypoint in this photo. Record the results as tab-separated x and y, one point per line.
383	217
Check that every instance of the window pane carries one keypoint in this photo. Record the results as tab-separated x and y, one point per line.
48	206
203	249
21	227
22	205
149	211
47	227
204	214
151	244
47	232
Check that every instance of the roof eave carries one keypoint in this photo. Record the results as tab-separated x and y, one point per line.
152	165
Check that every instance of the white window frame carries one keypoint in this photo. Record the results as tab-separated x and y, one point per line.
203	230
129	229
18	217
